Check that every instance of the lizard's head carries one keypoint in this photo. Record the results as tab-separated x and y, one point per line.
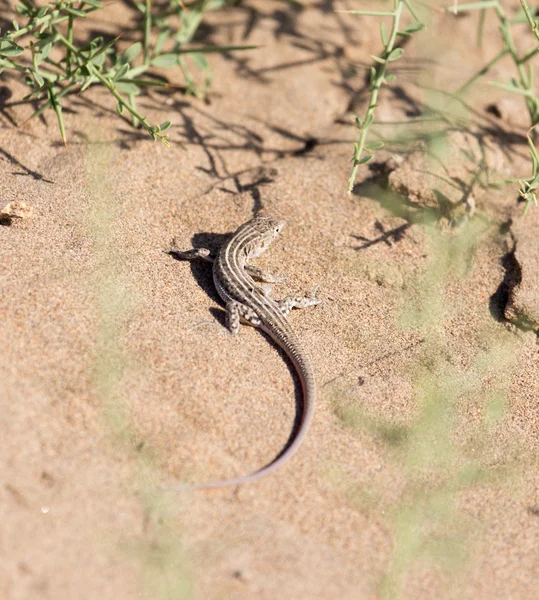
268	228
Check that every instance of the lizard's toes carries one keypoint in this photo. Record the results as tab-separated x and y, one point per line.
313	293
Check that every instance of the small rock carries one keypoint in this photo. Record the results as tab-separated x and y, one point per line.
15	210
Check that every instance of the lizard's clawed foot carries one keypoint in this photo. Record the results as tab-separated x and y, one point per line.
290	302
313	295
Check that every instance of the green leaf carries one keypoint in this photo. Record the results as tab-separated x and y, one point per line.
97	59
160	42
382	61
120	108
390	77
39	79
94	3
395	54
365	159
190	20
509	87
94	44
136	71
44	46
128	87
414	27
8	48
200	61
55	103
88	83
52	77
165	60
121	72
383	33
43	53
368	120
95	56
44	41
376	146
22	10
132	52
164	126
75	12
6	64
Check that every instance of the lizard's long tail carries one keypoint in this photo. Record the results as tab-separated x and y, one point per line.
288	342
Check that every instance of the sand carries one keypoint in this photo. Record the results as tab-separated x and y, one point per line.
419	476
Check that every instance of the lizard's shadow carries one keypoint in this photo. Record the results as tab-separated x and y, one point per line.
201	269
202	272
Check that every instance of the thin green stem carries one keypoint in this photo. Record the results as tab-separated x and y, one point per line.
531	102
481	28
533	23
377	79
36	24
463	88
529	55
70	40
47	104
147	31
53	99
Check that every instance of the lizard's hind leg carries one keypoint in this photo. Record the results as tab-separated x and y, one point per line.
236	311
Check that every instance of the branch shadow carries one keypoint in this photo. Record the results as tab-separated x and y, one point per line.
25	171
199	127
390	237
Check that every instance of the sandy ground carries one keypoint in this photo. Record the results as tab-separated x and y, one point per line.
419	476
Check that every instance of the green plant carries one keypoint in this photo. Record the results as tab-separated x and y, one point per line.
521	84
378	77
54	64
439	452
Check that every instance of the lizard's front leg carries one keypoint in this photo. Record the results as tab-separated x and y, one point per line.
290	302
193	254
236	311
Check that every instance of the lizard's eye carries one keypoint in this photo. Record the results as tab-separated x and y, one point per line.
277	229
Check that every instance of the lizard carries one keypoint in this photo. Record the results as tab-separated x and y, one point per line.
237	283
